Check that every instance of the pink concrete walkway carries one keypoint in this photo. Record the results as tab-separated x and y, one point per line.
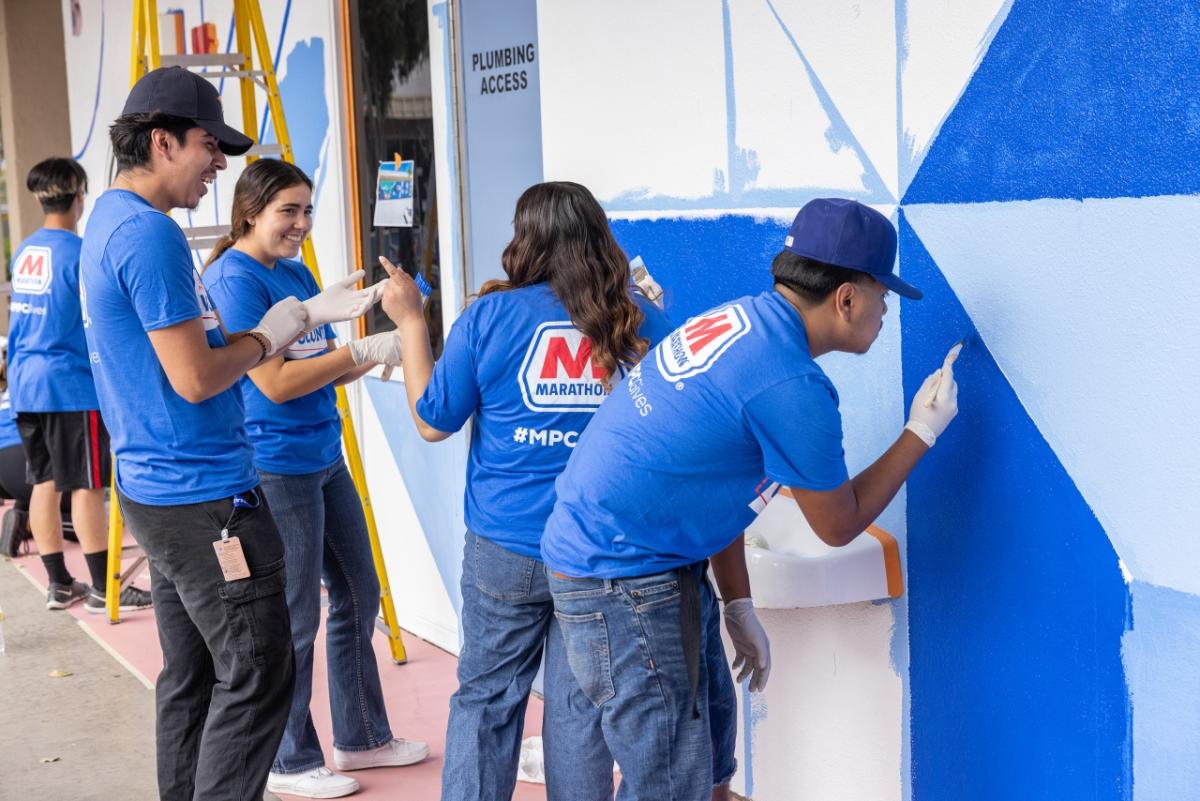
417	692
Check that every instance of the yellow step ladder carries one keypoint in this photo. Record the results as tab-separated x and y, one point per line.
251	40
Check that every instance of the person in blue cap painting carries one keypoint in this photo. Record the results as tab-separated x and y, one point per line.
687	450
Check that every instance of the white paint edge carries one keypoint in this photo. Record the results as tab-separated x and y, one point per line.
122	661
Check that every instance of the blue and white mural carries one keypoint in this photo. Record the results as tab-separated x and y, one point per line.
1039	159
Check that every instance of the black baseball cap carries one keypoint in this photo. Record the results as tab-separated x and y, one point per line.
182	93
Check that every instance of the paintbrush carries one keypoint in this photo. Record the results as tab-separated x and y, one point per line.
951	358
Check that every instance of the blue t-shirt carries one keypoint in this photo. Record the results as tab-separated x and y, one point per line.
303	435
515	361
48	368
694	443
9	435
138	277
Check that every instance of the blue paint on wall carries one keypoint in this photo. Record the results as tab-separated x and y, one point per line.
1162	654
703	262
1075	100
1016	601
304	103
434	475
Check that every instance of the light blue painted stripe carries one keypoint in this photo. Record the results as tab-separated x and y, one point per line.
903	146
730	101
871	178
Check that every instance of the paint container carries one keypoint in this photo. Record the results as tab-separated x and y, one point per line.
645	282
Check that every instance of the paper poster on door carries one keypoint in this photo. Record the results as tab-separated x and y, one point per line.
394	195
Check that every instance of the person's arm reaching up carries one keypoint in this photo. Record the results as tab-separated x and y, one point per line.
839	515
403	303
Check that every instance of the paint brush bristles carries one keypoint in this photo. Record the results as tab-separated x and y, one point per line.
951	358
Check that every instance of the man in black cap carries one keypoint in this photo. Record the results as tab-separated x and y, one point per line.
165	373
682	456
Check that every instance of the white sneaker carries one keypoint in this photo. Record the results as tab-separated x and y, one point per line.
396	753
317	783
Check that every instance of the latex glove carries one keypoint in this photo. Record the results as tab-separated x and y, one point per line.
934	405
340	301
376	291
380	348
753	650
282	324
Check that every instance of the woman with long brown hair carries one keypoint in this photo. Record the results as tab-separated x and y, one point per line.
293	423
530	359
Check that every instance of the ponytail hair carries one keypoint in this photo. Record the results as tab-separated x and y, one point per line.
561	237
257	186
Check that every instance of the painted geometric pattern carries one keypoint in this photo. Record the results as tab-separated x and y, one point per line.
1042	155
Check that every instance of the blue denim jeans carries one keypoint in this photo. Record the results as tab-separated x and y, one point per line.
507	624
325	537
625	647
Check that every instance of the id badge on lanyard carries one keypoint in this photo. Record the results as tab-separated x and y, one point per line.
229	549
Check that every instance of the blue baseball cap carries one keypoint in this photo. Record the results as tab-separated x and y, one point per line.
845	233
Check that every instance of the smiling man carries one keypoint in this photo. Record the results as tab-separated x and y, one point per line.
165	371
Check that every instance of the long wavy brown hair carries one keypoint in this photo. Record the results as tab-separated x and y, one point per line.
256	187
561	237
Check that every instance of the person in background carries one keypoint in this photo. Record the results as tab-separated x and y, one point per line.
685	453
15	487
165	371
294	426
54	397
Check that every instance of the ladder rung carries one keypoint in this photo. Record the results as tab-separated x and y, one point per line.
205	230
256	74
204	60
204	243
264	150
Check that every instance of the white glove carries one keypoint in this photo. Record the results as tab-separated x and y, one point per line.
282	323
935	404
376	291
341	301
753	651
380	348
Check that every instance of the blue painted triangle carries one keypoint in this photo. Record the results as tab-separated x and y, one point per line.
1075	100
1017	606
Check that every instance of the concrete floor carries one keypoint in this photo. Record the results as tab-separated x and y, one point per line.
99	721
97	724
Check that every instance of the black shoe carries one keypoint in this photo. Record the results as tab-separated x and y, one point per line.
14	530
132	599
61	596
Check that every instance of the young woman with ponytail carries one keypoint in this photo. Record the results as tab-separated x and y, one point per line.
293	423
530	359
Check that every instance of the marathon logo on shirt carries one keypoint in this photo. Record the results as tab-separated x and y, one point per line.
557	374
33	271
208	310
694	347
311	344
